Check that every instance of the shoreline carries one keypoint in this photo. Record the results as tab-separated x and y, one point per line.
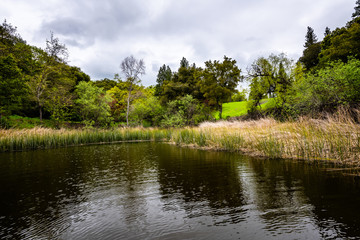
329	140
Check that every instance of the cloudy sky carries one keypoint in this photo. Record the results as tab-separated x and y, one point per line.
100	34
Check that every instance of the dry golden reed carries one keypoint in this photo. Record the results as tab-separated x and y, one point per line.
335	138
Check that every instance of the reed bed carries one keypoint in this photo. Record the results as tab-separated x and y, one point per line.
336	138
40	138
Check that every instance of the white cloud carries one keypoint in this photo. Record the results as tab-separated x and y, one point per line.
100	34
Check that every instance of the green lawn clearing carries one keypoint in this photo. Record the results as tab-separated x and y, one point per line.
236	109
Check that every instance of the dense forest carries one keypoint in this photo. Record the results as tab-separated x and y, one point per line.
37	82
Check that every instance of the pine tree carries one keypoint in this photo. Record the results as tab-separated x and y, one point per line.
184	63
310	57
327	31
164	74
357	9
310	37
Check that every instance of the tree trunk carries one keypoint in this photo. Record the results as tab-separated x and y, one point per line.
127	110
40	112
220	111
128	106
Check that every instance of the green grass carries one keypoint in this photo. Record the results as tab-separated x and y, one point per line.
18	122
237	109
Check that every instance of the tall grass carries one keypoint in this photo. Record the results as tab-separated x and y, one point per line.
336	138
16	140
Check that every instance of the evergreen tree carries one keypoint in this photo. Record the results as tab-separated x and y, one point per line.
164	74
327	31
310	37
310	57
357	9
184	63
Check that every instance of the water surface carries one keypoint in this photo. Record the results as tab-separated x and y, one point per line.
160	191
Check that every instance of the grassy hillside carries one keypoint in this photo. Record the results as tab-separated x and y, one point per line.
236	109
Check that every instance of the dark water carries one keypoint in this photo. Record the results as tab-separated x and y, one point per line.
158	191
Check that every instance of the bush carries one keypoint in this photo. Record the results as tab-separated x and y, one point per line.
336	85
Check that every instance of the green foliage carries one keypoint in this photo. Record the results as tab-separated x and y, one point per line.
105	84
93	104
132	69
78	75
119	94
164	75
310	57
181	83
219	82
8	35
184	111
52	84
335	85
19	122
239	96
12	85
341	43
147	111
273	77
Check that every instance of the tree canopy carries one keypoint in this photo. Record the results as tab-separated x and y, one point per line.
219	81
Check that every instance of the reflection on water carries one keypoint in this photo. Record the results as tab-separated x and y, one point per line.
159	191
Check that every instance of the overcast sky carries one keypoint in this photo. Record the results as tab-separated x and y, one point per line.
100	34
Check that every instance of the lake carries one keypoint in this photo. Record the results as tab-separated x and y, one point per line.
160	191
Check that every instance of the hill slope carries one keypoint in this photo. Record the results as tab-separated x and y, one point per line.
236	109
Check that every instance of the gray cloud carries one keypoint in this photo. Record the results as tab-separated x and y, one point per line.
100	34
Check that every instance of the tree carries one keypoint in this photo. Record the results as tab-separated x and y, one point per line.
184	111
12	85
272	76
93	103
50	69
327	31
78	75
329	87
219	81
147	111
341	43
310	37
310	57
181	83
184	63
164	75
120	93
39	82
239	96
105	83
357	10
51	80
9	35
132	69
56	50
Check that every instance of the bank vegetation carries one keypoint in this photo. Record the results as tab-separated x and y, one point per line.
334	138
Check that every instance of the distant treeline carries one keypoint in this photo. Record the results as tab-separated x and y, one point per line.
40	82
